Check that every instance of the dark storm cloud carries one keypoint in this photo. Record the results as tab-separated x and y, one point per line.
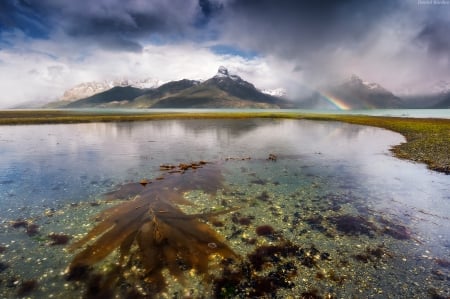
435	35
402	43
111	23
310	34
294	27
209	10
325	40
288	28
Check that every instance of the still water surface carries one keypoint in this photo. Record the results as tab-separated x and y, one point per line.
375	226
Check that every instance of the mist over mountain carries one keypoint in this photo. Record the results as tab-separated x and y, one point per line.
88	89
227	90
359	94
114	95
438	97
224	90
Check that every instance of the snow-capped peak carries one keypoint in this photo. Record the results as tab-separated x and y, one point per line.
276	92
87	89
84	90
141	83
371	85
441	87
223	73
354	80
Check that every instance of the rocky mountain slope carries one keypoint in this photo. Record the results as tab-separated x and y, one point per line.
115	95
224	90
88	89
358	94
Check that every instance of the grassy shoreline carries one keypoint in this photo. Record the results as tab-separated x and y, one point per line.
427	139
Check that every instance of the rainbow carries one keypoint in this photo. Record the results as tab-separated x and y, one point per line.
338	103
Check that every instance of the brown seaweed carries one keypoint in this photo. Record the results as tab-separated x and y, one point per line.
27	287
267	269
58	239
353	225
152	232
31	229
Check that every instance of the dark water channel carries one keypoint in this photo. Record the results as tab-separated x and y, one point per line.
331	214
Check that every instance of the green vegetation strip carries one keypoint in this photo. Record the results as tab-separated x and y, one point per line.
428	139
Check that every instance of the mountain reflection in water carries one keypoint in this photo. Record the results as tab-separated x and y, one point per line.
333	215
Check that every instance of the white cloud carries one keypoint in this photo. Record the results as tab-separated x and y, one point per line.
401	45
42	70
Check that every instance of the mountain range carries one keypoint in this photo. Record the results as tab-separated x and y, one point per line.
225	90
88	89
358	94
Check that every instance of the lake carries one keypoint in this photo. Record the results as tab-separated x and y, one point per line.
309	208
412	113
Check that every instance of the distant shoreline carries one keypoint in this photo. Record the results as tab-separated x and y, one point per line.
428	139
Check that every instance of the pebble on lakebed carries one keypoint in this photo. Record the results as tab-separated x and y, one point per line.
350	247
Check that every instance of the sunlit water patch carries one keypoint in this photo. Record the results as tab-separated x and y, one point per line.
288	208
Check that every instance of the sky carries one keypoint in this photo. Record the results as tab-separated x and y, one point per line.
48	46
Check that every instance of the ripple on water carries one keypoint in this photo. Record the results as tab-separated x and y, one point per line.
334	216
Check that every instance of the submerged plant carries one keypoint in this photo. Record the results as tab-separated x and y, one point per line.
152	233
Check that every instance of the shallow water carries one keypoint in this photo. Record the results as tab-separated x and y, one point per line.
382	223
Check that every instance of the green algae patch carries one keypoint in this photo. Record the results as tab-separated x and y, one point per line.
427	139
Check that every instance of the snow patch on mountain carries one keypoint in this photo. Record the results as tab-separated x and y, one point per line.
371	85
84	90
440	87
223	73
276	92
356	81
87	89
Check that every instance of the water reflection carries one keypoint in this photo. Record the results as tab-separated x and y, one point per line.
75	159
333	184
